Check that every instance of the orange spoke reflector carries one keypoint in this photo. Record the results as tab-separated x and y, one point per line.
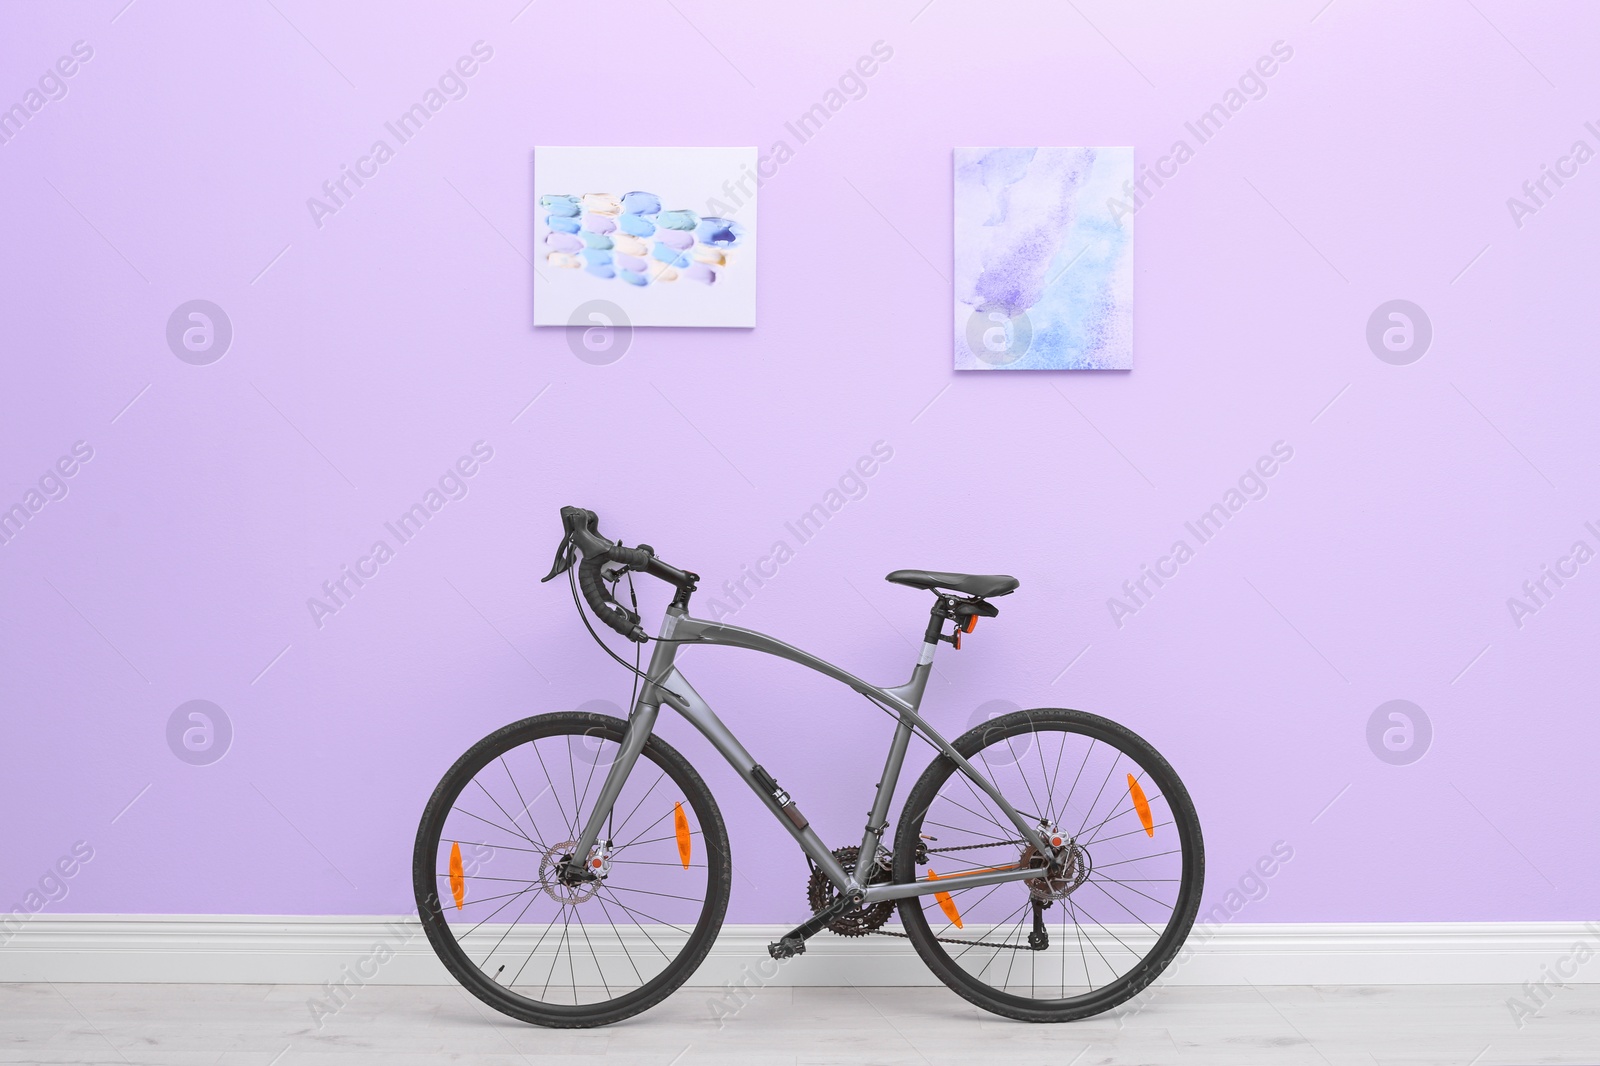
680	824
1141	805
946	904
458	878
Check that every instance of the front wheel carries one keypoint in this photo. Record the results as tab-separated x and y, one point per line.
1089	932
503	911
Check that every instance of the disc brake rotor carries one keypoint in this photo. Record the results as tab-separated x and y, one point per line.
550	879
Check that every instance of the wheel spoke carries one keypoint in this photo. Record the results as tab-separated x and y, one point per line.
499	847
636	807
1078	906
503	811
647	892
652	840
532	951
503	829
980	799
959	829
626	954
507	933
1089	811
1139	858
1119	811
653	918
508	897
1076	777
526	805
572	773
1129	833
584	929
1092	944
553	793
1124	906
588	781
1099	882
969	810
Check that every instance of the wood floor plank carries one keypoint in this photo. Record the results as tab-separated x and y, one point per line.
272	1025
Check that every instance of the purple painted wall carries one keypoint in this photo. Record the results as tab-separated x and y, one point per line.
370	352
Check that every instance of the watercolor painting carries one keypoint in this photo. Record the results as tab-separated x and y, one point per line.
1043	259
666	236
631	238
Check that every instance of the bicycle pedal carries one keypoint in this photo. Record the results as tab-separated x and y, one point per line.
787	948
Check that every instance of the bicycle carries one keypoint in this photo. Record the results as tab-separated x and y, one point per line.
628	875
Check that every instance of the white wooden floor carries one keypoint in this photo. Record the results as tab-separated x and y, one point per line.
272	1025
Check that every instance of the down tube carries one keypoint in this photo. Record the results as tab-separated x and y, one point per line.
676	691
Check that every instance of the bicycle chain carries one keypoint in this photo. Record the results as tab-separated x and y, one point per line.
972	847
953	940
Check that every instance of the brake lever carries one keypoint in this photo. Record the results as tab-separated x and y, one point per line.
566	555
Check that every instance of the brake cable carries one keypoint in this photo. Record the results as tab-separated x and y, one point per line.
572	581
638	649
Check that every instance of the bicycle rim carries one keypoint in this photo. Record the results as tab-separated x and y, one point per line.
1110	917
498	913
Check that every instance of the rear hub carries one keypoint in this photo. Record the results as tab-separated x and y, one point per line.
1062	877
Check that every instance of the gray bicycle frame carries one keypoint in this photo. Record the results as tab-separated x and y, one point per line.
667	685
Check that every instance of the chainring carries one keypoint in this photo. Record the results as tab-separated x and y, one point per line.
821	893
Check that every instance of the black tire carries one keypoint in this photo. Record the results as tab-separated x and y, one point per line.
600	733
1006	736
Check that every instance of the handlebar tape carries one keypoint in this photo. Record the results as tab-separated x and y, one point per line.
606	609
583	529
633	558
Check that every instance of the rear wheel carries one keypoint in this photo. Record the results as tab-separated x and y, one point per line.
1103	922
488	873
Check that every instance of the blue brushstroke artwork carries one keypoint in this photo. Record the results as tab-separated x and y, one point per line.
644	236
584	231
1043	259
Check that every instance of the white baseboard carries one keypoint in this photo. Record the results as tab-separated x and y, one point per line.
311	950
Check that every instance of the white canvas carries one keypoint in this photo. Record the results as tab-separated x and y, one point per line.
1044	259
710	282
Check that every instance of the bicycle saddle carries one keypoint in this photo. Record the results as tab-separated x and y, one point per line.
971	584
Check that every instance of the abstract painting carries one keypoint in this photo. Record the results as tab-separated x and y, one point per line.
666	236
1043	259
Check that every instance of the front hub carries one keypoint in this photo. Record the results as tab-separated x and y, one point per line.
567	881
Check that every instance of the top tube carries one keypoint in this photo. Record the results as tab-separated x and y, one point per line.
694	630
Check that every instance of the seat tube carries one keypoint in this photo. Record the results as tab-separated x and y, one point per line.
878	817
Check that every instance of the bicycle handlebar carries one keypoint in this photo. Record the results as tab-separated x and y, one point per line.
582	533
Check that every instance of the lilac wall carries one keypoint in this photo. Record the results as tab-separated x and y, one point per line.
370	352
